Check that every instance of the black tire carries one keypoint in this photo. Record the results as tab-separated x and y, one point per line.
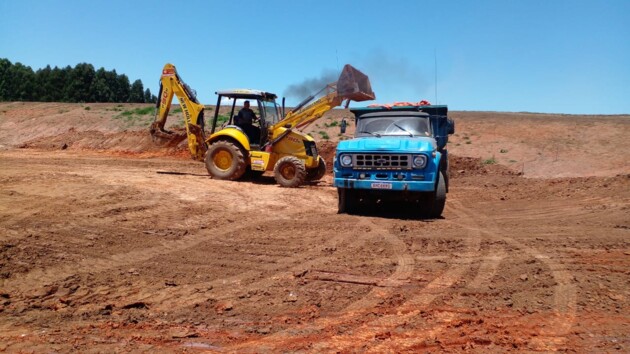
347	201
224	160
289	172
438	198
315	174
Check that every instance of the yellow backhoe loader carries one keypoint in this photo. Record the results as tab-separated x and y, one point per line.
233	149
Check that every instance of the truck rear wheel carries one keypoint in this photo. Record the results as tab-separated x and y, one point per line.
289	172
438	198
315	174
347	201
225	160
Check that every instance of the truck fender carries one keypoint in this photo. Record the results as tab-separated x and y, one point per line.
436	162
443	167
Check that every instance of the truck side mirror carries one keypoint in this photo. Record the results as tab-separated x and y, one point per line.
343	125
450	124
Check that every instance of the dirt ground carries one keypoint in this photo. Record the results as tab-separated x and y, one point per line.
109	243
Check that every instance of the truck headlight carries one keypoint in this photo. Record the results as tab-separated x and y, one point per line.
345	160
419	161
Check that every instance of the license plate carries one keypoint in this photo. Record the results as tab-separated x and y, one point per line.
382	185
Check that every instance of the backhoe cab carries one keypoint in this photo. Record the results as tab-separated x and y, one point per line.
280	147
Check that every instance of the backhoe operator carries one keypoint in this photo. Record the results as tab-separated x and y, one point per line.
245	120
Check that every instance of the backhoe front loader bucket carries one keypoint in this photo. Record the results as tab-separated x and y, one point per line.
354	85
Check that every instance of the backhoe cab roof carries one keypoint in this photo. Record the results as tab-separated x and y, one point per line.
432	110
247	93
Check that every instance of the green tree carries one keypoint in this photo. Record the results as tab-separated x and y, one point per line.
100	90
44	85
5	82
136	94
147	95
22	81
123	88
61	85
80	83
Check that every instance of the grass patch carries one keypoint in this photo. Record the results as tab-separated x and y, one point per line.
503	151
468	142
490	161
87	108
137	116
222	118
324	135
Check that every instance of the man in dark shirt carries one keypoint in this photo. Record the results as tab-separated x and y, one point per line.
245	116
245	120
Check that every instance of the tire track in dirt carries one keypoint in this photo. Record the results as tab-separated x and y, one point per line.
95	265
404	269
287	267
439	286
565	297
283	268
366	332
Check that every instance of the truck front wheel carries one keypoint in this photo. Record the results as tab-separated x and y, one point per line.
347	201
225	160
438	198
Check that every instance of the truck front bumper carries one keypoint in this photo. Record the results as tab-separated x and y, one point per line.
384	185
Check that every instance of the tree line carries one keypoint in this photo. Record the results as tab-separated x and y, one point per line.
79	84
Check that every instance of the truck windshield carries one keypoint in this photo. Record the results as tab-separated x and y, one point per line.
393	126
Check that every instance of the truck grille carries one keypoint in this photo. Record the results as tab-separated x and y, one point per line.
382	162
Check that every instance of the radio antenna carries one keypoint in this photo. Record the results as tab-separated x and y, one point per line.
436	82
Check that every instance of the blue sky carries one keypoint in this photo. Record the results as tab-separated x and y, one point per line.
550	56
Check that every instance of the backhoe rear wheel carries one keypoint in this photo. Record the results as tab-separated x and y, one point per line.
225	160
315	174
289	172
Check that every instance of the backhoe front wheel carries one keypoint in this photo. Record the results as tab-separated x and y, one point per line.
225	160
289	172
315	174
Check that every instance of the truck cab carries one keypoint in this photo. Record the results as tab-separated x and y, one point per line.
398	154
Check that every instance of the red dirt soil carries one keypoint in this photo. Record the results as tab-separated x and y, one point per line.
112	243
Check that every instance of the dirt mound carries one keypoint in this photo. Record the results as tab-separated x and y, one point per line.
471	166
327	150
132	143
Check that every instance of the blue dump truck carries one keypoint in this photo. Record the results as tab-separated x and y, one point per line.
398	155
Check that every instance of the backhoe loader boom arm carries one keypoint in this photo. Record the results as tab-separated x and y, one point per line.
172	85
352	85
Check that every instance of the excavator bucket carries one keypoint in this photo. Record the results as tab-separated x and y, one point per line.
354	85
